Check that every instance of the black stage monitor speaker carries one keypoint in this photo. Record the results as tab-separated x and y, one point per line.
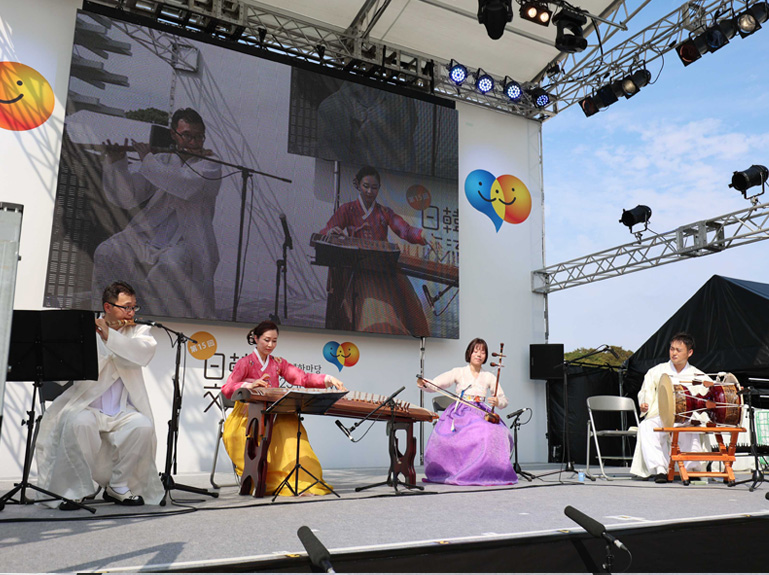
546	361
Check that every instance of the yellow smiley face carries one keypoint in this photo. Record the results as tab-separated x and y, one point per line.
26	98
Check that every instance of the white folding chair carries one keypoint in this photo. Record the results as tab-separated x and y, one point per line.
610	403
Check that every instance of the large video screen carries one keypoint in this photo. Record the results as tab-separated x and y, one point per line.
227	187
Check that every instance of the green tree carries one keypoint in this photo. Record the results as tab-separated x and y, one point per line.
601	358
150	115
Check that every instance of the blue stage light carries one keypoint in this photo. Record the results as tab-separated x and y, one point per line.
457	73
483	82
513	90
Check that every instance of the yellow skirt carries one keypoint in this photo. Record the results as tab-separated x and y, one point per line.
281	455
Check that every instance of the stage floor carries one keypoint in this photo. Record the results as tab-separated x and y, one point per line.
206	533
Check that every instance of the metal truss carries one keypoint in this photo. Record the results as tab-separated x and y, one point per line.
594	68
693	240
297	37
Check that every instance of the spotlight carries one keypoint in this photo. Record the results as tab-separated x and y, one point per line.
483	82
536	12
754	176
718	35
457	73
751	19
539	97
569	36
591	105
495	14
691	50
607	95
639	214
512	90
632	83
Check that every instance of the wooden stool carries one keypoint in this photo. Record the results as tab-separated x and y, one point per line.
725	454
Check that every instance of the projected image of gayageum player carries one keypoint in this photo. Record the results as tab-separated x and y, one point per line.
366	299
168	250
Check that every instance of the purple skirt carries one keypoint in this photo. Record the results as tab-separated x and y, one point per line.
476	452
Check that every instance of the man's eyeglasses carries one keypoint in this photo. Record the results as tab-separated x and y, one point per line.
134	309
187	137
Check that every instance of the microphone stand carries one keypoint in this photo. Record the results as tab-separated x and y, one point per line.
282	264
246	173
166	476
392	474
516	466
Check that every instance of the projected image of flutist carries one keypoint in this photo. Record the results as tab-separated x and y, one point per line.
168	250
366	300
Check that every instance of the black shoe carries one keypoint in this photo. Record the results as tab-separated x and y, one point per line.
70	505
126	498
661	478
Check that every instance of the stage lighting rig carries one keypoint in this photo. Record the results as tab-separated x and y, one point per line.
569	37
755	175
537	12
639	214
751	19
494	15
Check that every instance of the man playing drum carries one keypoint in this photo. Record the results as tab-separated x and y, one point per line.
652	453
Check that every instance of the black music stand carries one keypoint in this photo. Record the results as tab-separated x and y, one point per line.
300	402
49	345
392	427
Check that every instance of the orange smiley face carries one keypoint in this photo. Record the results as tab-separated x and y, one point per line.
26	98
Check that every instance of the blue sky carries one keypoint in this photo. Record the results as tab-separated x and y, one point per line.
672	147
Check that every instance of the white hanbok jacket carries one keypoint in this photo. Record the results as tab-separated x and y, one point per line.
60	469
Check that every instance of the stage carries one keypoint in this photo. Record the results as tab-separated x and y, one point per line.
667	528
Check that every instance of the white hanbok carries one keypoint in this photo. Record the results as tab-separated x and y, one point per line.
65	465
652	452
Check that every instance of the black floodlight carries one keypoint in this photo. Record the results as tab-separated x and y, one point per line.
718	35
569	35
495	14
632	83
751	19
591	105
537	12
607	95
638	215
691	50
755	175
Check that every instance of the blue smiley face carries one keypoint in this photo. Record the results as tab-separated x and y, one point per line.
478	189
330	351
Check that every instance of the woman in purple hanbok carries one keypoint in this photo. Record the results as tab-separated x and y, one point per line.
464	448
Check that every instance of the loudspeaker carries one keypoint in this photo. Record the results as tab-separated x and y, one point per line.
546	361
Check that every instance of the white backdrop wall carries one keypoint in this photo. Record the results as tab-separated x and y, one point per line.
496	302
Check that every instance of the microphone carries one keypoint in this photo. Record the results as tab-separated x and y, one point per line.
316	551
344	429
593	527
284	223
428	297
517	413
138	321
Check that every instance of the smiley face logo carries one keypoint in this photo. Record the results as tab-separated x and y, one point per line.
330	351
26	98
502	199
344	355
